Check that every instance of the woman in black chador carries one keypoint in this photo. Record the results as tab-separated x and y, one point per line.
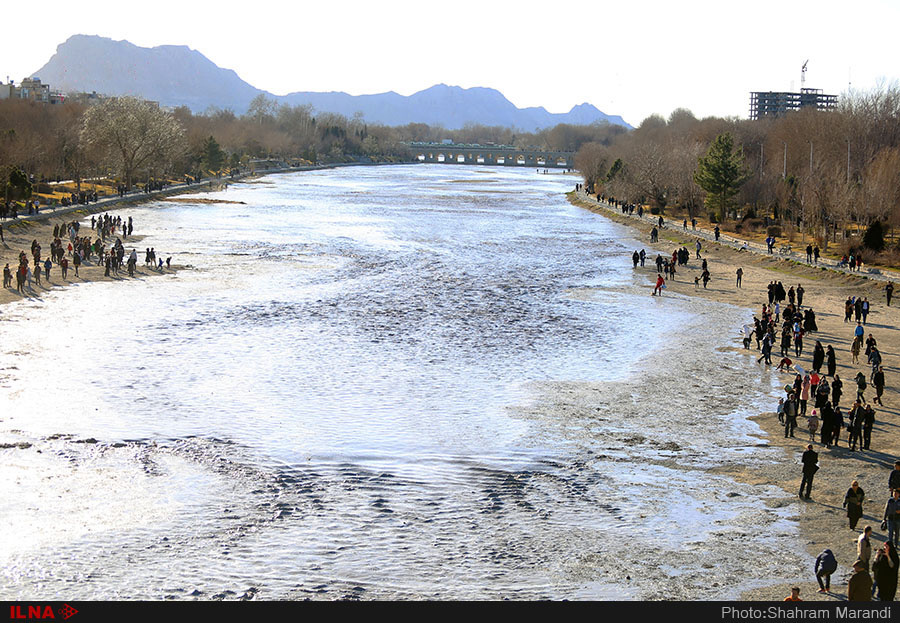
809	321
830	361
818	356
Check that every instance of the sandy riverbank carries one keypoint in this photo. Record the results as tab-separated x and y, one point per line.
20	235
822	520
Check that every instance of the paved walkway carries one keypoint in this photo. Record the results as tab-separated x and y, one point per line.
738	243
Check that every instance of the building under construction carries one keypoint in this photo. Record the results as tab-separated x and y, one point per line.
775	103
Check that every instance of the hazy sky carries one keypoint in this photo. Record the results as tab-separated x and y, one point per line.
631	58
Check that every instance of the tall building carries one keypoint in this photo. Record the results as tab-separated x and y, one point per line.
775	103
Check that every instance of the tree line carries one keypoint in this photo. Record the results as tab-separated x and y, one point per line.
819	173
135	141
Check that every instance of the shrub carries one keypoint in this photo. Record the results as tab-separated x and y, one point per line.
774	230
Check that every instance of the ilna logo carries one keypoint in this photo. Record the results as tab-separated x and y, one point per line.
41	612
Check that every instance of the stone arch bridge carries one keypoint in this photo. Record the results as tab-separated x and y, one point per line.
495	155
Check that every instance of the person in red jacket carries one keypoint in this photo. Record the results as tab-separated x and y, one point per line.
660	284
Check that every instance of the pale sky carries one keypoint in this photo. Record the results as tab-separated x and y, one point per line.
631	58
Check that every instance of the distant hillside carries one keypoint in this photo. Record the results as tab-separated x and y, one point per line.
179	76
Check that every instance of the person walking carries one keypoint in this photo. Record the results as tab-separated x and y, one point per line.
740	275
889	292
860	386
894	478
826	564
766	348
891	518
804	394
827	415
830	360
660	284
878	382
837	390
864	546
838	426
790	416
818	356
855	425
812	424
853	502
884	571
868	423
810	462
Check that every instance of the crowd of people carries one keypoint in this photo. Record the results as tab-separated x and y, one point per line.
816	395
68	247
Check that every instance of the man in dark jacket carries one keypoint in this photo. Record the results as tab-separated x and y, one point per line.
810	462
892	517
826	564
868	424
790	418
894	478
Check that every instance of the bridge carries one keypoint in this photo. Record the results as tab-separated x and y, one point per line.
495	155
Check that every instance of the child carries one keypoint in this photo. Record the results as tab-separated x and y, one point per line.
795	594
812	424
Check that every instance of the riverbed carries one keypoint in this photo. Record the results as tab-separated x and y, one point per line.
410	382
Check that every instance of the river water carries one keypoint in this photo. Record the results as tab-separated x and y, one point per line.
408	382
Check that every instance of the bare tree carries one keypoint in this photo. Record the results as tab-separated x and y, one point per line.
132	134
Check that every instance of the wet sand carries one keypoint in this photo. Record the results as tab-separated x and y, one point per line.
822	521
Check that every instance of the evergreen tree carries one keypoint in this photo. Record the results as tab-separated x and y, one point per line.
720	173
874	237
15	185
213	156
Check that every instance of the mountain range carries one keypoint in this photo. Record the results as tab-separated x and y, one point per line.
179	76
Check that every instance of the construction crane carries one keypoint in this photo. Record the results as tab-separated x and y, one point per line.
803	75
